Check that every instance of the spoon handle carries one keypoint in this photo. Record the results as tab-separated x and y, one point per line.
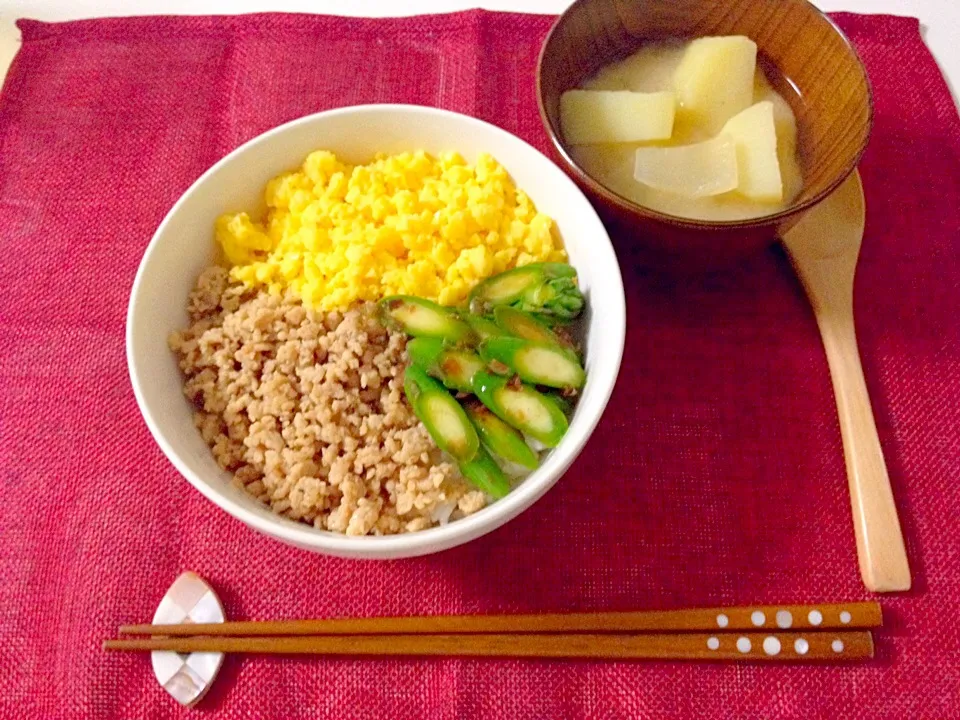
880	548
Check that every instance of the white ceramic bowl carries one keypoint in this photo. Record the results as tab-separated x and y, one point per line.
183	246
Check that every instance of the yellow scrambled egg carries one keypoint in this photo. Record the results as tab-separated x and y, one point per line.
404	224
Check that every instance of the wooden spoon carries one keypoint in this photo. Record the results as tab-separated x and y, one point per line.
824	247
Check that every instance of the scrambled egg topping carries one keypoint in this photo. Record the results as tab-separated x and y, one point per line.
404	224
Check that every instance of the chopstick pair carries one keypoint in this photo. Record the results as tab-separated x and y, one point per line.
797	633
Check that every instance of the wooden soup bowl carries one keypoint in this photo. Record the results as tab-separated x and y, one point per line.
831	99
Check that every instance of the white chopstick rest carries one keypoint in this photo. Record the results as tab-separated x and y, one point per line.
187	677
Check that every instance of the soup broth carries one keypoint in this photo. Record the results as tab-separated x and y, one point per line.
651	69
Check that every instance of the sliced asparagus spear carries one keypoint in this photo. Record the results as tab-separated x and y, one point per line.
525	325
482	327
422	318
441	414
535	362
549	289
454	367
522	407
558	300
483	472
498	437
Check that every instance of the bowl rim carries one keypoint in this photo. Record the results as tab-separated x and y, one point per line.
625	204
421	542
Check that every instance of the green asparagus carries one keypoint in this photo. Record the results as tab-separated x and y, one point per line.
454	367
521	406
548	289
483	472
441	414
524	325
423	318
498	437
535	362
482	327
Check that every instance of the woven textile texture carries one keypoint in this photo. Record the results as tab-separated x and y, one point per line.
716	476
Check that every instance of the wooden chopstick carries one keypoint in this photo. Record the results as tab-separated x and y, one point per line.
843	646
776	618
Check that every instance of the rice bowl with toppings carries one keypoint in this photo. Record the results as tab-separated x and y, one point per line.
174	262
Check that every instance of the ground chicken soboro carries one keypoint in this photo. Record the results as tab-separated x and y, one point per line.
306	409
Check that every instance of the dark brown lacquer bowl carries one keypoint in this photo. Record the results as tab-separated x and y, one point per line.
830	96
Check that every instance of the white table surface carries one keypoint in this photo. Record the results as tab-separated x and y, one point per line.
940	18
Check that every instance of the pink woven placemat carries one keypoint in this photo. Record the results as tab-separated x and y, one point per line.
716	476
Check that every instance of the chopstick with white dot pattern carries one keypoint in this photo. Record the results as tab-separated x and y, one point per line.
798	633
